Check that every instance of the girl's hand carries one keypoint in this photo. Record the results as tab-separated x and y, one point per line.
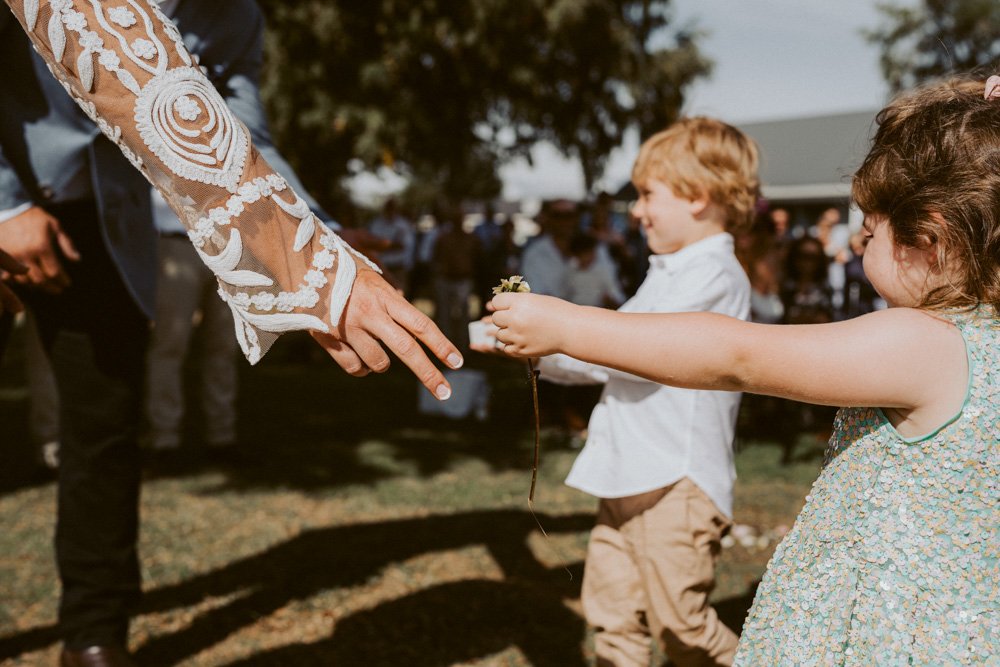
531	325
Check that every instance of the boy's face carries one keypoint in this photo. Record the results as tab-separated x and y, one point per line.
668	220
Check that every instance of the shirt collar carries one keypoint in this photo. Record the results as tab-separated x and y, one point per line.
722	242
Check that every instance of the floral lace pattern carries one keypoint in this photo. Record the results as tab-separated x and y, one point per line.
279	269
895	558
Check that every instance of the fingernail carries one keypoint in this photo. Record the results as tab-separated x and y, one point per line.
455	360
443	392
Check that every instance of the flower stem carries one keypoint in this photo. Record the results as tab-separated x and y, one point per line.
533	377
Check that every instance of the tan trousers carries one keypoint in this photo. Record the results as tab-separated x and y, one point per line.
649	570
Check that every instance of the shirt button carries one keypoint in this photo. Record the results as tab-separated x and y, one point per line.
47	192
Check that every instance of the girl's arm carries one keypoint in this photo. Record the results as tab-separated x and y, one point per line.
898	358
563	369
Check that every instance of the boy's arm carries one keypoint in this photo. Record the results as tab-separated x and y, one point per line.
900	358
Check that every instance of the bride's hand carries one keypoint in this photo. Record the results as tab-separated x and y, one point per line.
530	325
377	315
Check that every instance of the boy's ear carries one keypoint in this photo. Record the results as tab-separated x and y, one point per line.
697	205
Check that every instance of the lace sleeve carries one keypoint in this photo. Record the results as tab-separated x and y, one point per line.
125	64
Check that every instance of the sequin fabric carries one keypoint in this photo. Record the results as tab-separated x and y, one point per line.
895	558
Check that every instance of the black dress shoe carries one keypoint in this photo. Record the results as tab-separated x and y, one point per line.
96	656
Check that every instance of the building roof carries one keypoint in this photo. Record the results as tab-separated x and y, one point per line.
810	159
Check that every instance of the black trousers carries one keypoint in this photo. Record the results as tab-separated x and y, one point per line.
95	336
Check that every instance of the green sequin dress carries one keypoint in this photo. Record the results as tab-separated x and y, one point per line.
895	558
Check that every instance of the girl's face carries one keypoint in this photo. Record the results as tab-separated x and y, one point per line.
901	276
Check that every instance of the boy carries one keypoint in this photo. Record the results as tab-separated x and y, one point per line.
660	458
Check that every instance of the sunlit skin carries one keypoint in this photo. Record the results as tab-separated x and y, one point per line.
672	222
905	360
900	275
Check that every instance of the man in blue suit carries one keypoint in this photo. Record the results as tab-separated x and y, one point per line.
79	216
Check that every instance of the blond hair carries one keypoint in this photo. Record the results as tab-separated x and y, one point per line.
933	172
703	157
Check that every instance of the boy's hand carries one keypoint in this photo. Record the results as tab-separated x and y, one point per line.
530	325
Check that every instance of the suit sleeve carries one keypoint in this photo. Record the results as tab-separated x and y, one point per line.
12	193
126	66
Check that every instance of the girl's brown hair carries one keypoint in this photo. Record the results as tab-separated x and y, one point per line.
934	173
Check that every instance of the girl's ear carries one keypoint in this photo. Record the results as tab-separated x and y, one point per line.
929	243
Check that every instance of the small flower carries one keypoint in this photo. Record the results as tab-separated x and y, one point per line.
122	16
264	301
144	48
74	20
512	284
187	108
109	60
91	41
323	260
315	278
219	216
235	207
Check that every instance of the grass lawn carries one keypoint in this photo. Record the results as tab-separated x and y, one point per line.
357	532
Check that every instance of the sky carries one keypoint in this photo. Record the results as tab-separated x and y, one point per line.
774	59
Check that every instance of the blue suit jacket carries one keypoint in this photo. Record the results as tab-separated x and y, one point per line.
42	131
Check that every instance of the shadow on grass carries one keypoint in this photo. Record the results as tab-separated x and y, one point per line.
301	424
444	624
439	625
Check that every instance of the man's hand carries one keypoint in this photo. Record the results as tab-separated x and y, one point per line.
377	315
31	239
9	303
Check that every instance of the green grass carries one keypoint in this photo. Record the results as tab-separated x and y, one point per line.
356	533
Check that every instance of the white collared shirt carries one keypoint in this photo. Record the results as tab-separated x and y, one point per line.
643	435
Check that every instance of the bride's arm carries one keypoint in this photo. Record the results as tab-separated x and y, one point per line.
278	269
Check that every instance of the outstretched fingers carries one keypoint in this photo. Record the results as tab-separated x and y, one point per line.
401	335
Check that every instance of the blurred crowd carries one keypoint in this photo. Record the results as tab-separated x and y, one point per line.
594	253
448	260
802	269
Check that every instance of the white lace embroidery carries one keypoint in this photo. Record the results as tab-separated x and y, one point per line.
213	153
144	48
122	16
187	108
186	124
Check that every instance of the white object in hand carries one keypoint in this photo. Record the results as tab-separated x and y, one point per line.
482	334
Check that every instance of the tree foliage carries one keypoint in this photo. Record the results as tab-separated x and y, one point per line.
937	37
447	90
